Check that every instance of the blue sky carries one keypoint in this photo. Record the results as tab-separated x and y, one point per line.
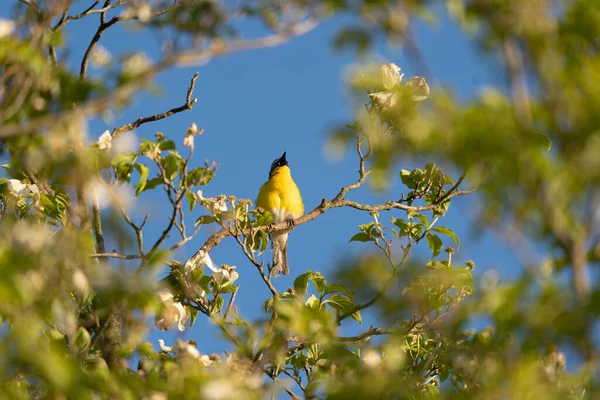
256	105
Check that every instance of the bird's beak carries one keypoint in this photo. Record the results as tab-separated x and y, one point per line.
283	158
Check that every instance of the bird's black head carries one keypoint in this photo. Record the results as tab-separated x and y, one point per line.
280	162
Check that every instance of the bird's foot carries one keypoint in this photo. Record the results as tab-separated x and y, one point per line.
291	223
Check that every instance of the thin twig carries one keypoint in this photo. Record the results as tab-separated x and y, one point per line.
231	300
259	266
99	32
369	333
117	255
189	104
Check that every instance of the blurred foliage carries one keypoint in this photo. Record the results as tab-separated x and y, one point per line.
75	313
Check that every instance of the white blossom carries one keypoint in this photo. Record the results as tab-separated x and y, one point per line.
219	206
216	206
164	347
7	27
136	64
18	188
105	141
193	129
221	389
100	57
203	259
555	364
419	88
144	12
371	358
390	75
154	153
391	78
206	360
80	281
186	350
386	99
225	274
155	396
37	199
188	139
33	237
172	312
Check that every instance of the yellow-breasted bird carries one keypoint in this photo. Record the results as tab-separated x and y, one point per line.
281	197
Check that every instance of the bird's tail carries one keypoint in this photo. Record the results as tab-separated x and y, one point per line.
279	241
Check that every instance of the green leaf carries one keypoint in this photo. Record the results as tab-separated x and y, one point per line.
411	179
227	288
357	317
337	288
340	302
263	219
312	301
193	312
435	244
356	38
268	304
423	219
319	281
144	171
431	392
191	198
403	225
361	237
170	164
264	242
448	232
344	305
173	284
146	146
406	178
167	145
199	176
216	305
301	283
543	140
55	207
205	219
205	282
123	164
257	241
125	157
152	183
82	340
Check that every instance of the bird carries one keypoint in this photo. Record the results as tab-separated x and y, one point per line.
281	197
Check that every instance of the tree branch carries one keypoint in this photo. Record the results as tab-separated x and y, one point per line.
116	255
325	205
189	104
98	105
103	27
369	333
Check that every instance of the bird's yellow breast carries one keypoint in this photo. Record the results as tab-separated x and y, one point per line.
280	196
